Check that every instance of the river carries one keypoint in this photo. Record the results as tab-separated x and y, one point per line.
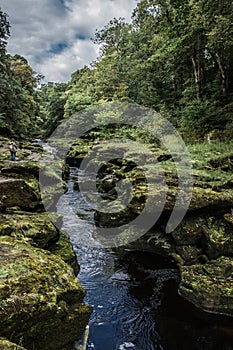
134	294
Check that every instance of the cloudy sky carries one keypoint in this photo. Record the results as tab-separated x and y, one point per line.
54	35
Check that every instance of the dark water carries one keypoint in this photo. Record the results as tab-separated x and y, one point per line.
134	294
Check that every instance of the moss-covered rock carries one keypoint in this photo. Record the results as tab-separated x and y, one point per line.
206	232
64	249
32	145
218	237
78	151
52	186
36	228
65	171
191	255
41	300
228	217
26	150
23	168
209	286
208	199
189	232
16	192
7	345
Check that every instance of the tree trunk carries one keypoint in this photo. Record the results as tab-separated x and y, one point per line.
198	66
198	75
223	74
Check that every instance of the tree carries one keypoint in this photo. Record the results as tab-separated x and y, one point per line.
4	32
175	57
51	98
17	83
80	92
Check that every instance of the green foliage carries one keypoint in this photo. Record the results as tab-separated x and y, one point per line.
17	96
198	118
51	98
17	83
174	57
4	32
80	92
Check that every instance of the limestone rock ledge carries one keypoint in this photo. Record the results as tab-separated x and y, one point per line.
209	286
202	245
41	300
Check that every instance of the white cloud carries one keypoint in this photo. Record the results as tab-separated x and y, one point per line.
39	26
58	67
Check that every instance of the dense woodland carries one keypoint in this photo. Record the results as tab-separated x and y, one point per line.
174	57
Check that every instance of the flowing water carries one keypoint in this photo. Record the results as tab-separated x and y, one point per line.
134	294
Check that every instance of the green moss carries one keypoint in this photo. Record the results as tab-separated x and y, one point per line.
40	297
5	344
189	232
209	286
218	237
16	192
229	219
23	168
64	249
37	229
207	198
177	258
190	254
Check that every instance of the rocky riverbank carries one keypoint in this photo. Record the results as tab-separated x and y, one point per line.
41	299
202	245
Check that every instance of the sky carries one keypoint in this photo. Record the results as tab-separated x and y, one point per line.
54	35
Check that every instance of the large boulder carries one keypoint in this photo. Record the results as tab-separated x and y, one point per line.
209	286
17	192
36	228
41	300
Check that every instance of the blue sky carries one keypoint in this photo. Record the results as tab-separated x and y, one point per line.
54	35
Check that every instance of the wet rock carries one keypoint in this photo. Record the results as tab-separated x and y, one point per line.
197	242
78	152
75	186
65	171
107	183
229	219
52	186
41	300
63	248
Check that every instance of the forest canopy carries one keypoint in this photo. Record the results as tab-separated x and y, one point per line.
174	57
